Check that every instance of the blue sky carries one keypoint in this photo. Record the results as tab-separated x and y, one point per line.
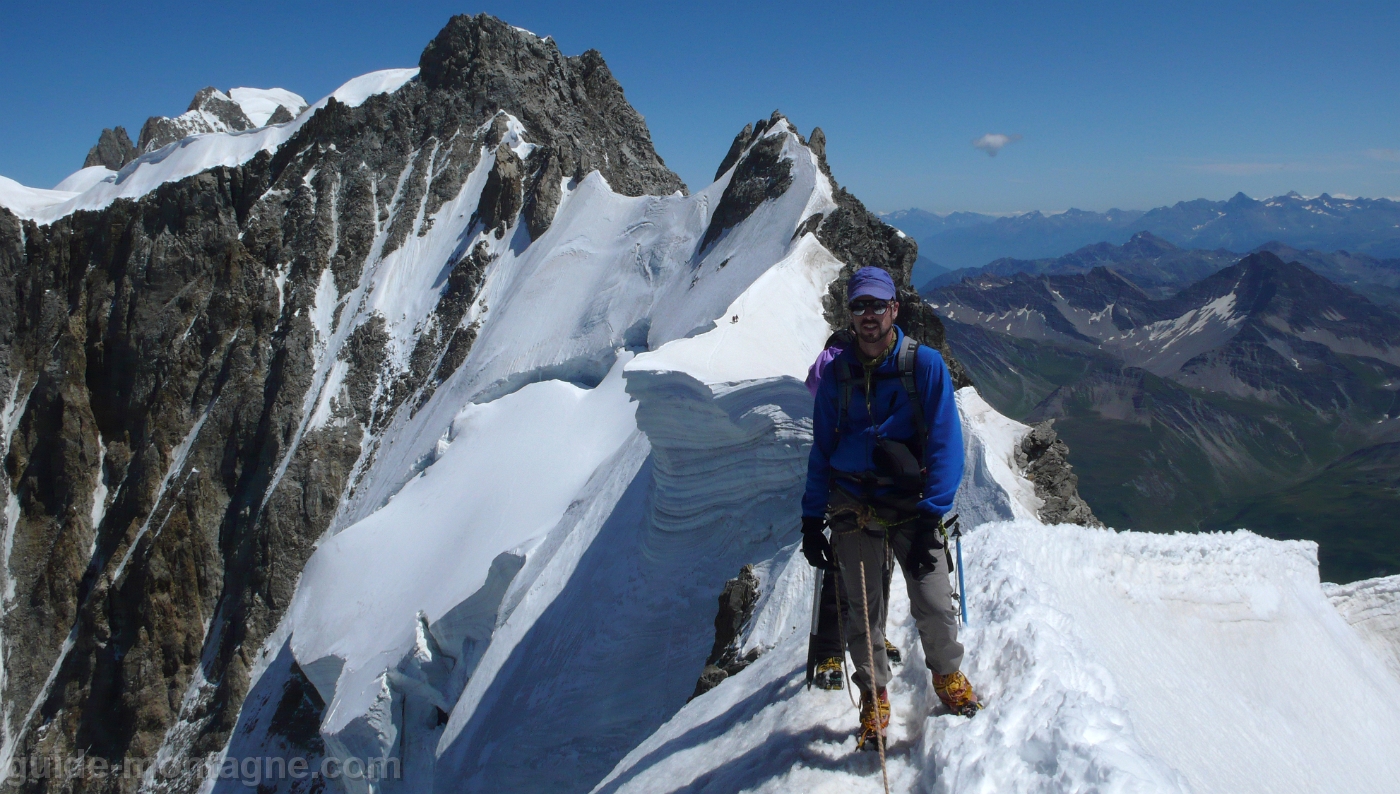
1130	105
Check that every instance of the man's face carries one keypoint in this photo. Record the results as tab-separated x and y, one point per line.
871	325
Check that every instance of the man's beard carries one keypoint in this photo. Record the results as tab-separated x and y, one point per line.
875	334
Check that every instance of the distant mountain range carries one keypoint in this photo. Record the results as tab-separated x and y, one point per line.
1212	406
1161	269
1323	223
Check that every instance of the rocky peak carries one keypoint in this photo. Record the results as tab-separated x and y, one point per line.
113	150
570	105
1146	244
1240	200
761	173
216	103
211	110
280	116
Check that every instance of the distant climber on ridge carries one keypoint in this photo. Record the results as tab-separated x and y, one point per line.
886	460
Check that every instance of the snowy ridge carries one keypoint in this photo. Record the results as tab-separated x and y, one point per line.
258	104
181	159
1118	661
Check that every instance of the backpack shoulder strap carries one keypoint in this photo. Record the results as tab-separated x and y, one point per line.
908	356
841	368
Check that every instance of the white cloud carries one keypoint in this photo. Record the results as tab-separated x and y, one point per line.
992	142
1386	155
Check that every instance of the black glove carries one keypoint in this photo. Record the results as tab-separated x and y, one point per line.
928	538
815	547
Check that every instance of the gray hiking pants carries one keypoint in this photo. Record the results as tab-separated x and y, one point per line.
930	595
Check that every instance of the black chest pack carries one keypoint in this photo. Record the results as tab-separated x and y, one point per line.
897	463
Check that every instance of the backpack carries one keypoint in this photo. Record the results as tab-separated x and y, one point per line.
897	465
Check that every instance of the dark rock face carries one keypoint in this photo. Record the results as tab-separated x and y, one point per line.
113	150
501	198
762	174
736	605
230	113
280	116
161	353
736	149
545	193
1045	459
573	104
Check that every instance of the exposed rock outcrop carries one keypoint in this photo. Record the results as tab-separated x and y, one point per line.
113	150
1045	459
501	198
761	175
280	116
736	605
211	110
573	104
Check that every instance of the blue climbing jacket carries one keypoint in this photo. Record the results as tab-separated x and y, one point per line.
846	444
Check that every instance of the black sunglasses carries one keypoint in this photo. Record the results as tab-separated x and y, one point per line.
861	307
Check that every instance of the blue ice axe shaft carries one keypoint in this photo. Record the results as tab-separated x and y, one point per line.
962	589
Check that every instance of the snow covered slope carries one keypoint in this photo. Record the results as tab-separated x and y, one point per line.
259	104
183	158
476	576
1373	607
1109	662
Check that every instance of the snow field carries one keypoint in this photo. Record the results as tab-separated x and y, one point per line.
612	271
506	474
1114	662
452	561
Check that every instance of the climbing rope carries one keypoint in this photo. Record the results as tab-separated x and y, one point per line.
874	690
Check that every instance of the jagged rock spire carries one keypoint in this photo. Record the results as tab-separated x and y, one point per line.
572	106
113	150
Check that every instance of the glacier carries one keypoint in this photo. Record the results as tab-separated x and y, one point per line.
517	593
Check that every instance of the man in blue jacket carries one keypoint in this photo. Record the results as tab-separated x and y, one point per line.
886	460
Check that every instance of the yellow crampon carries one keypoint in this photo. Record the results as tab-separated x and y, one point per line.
956	693
829	675
869	729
